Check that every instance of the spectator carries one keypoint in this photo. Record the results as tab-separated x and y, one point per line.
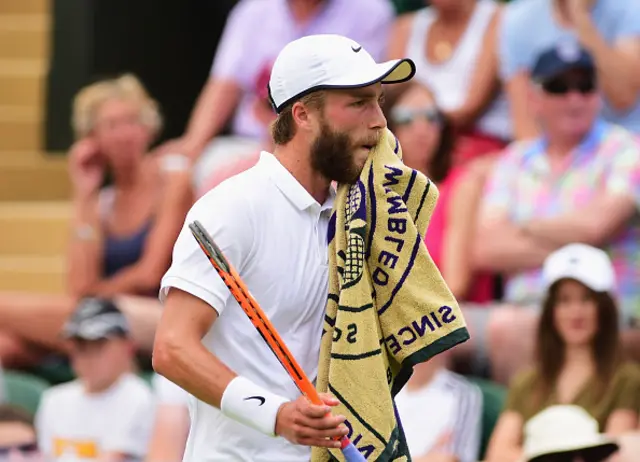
578	354
122	235
171	426
427	141
552	191
107	413
608	29
18	441
236	88
435	391
453	45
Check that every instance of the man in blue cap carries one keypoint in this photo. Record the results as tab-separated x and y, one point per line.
578	182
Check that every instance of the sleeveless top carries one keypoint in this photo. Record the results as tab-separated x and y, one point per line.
449	81
120	251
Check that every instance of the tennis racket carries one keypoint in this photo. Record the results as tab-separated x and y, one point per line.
260	321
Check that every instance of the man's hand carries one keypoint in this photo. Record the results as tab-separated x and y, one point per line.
307	424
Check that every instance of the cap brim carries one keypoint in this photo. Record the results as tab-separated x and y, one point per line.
545	76
388	72
599	449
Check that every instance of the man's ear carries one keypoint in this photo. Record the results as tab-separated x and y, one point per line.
302	116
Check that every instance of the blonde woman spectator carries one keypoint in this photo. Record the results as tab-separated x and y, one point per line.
578	358
453	44
121	235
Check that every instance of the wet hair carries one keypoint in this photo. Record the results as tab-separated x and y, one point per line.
14	414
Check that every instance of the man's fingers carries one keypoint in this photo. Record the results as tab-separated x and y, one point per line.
312	410
328	399
320	442
326	427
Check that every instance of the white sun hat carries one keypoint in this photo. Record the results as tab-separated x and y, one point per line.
565	429
328	61
586	264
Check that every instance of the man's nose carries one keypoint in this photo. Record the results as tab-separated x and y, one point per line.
378	121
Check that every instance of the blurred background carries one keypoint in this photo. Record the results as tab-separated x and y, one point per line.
116	115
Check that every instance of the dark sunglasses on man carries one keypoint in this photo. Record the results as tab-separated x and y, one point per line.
583	455
563	85
401	115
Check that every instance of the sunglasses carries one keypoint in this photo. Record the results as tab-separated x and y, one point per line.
406	116
23	448
583	86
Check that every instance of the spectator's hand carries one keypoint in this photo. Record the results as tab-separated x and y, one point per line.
86	167
307	424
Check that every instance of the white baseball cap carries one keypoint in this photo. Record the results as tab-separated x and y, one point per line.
565	429
583	263
326	61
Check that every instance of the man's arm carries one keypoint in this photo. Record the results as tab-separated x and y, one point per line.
594	224
618	64
605	215
179	354
502	246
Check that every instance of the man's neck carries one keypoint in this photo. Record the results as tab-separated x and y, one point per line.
296	160
560	147
303	10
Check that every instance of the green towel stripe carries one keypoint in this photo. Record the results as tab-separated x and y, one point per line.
367	354
450	340
355	309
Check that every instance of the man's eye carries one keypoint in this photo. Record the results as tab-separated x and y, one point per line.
359	103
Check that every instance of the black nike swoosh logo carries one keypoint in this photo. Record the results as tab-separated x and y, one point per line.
355	50
259	398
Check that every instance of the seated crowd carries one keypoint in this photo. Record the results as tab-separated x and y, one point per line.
532	141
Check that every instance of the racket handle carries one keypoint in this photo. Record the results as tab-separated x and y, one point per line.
350	453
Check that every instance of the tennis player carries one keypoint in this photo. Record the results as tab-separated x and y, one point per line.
271	222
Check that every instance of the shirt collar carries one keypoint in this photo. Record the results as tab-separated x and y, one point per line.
588	144
291	188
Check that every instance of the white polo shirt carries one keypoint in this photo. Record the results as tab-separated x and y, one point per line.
275	234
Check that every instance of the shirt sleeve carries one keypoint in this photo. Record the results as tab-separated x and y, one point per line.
514	54
628	21
624	173
498	190
237	34
226	218
133	433
627	392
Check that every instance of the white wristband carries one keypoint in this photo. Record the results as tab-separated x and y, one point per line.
251	405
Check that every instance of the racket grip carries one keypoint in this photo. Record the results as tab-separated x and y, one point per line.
350	453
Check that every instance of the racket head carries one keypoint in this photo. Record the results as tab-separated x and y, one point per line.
208	245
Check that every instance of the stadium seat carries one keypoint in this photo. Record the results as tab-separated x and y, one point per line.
24	390
493	397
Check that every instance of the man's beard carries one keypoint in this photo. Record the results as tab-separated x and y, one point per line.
332	155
